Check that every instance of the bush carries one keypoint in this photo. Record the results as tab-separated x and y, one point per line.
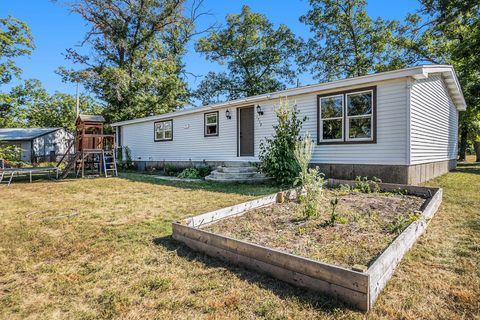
171	170
17	164
190	173
204	171
10	153
277	159
126	163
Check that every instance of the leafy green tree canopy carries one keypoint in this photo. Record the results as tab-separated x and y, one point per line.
134	65
15	40
258	57
449	32
346	42
34	107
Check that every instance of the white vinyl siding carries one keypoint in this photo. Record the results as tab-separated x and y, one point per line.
189	142
391	144
434	122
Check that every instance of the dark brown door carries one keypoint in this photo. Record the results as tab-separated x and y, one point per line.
246	131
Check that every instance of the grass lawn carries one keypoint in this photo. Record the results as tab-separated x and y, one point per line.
116	258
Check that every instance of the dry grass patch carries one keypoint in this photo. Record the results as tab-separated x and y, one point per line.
116	258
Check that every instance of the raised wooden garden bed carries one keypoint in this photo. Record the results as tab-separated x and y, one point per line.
217	234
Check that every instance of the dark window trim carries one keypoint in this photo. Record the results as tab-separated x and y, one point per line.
205	124
155	133
344	127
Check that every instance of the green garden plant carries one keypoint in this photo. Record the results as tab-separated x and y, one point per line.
310	179
367	186
277	159
124	162
190	173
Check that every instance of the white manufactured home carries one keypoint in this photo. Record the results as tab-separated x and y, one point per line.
400	126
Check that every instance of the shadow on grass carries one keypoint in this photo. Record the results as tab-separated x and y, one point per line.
279	288
471	168
233	188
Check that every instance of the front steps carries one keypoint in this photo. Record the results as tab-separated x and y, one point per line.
237	173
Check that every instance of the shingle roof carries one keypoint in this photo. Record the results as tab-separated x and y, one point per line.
91	118
17	134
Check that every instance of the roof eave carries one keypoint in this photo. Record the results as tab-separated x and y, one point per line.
418	72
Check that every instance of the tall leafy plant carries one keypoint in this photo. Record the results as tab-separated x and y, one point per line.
277	153
310	179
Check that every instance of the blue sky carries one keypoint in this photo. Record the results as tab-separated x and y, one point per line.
54	29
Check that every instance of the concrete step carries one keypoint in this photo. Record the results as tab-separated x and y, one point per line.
239	174
232	175
249	180
237	164
236	169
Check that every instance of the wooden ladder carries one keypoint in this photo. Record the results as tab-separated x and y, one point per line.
109	166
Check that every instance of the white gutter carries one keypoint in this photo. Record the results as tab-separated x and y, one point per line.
418	72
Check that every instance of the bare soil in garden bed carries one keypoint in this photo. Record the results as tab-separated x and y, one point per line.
365	224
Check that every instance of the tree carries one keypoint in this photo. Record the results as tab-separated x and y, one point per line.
60	111
8	112
36	108
347	42
135	62
15	40
449	32
258	58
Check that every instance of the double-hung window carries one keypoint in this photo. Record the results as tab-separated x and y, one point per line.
163	130
347	117
211	124
331	118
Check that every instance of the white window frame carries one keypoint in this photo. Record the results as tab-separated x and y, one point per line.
335	118
206	124
163	131
347	117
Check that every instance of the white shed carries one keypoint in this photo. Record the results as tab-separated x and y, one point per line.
38	144
400	126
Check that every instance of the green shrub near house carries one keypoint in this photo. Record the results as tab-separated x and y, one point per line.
277	158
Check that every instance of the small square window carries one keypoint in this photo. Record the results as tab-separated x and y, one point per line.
163	130
332	129
211	124
360	128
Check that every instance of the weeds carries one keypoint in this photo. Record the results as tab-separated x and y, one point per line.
334	216
400	223
110	303
155	283
190	173
367	186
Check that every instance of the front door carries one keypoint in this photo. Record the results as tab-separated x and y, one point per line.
246	131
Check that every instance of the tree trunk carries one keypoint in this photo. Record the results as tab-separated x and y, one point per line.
462	152
477	150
